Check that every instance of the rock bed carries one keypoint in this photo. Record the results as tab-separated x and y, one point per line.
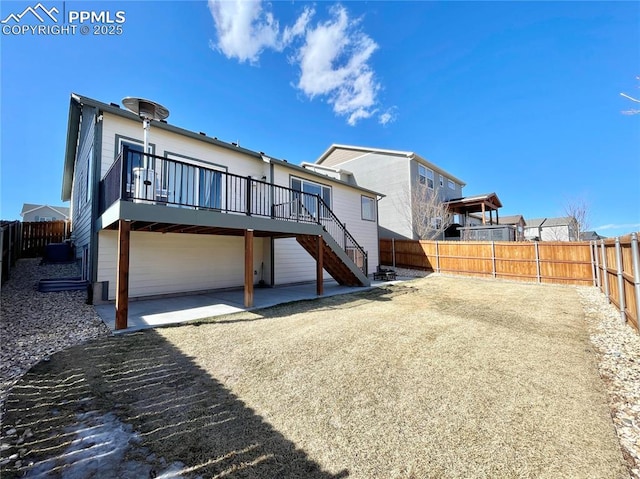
618	346
35	325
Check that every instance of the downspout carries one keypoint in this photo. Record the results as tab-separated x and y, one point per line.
378	198
95	193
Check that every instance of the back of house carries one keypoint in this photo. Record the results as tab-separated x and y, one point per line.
189	203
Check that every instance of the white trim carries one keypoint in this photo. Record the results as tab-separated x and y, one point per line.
46	206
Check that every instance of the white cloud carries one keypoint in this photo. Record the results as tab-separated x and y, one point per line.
333	56
244	29
611	226
388	116
334	63
299	28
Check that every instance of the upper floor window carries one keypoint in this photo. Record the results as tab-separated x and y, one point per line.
452	185
368	208
422	175
441	181
425	176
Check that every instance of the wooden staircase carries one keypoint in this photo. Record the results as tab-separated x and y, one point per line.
337	267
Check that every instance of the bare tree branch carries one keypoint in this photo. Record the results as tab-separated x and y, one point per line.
425	212
629	97
578	210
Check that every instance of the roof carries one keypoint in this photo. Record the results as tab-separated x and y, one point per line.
590	236
75	109
563	221
535	222
29	207
408	154
511	220
474	204
560	221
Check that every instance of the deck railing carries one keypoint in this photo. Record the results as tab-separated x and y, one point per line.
147	178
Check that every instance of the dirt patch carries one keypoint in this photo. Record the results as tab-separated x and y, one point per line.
438	377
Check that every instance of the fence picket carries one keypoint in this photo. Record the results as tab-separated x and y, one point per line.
37	235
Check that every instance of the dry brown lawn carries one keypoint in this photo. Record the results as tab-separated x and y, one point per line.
438	377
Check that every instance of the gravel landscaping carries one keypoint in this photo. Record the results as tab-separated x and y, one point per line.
36	325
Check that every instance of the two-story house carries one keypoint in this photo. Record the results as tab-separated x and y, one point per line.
37	213
193	213
397	175
551	229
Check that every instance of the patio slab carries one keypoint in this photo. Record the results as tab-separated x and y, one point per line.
150	313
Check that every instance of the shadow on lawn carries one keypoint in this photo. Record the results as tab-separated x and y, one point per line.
135	406
342	302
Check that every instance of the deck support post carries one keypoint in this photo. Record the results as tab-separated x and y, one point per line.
122	274
319	266
248	268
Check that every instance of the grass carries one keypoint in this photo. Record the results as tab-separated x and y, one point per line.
438	377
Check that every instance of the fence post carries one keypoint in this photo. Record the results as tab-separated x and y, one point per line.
2	260
437	257
594	256
493	258
537	262
619	267
11	246
393	252
593	271
635	260
605	269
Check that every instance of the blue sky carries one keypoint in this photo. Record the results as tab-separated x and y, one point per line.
518	98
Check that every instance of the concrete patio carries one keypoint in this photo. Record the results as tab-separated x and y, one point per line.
150	313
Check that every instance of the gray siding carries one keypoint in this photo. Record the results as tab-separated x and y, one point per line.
395	176
81	199
341	155
43	212
388	174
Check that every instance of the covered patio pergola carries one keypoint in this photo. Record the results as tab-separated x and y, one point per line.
476	204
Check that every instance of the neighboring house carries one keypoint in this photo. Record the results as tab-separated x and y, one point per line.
33	213
472	210
518	222
195	213
395	174
551	229
591	236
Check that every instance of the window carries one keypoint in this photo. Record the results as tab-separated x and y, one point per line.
189	184
425	176
368	208
441	180
136	158
307	204
210	189
452	185
422	174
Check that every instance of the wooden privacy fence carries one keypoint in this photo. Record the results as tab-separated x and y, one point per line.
617	262
613	265
37	235
10	236
548	262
